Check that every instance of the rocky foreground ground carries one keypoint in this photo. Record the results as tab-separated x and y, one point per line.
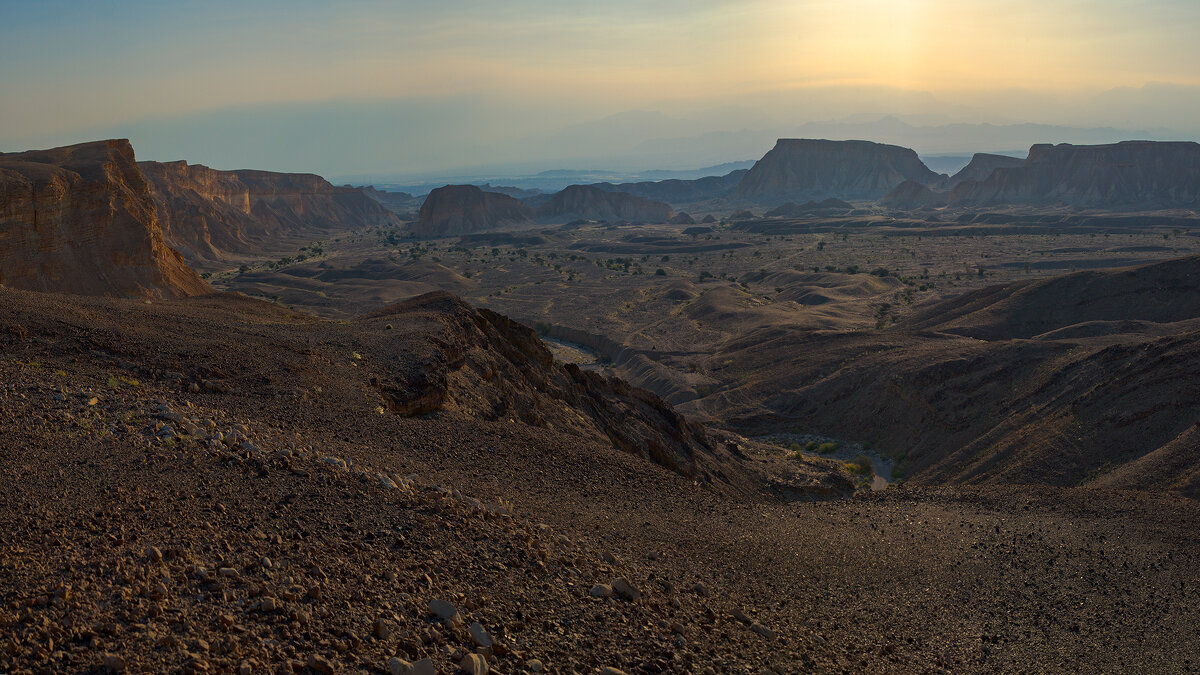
219	485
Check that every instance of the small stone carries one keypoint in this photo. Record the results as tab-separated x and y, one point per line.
442	609
677	627
424	667
623	588
480	636
320	665
154	554
609	670
473	664
762	630
194	388
229	572
383	628
601	591
398	666
608	558
534	665
114	662
741	616
270	604
700	590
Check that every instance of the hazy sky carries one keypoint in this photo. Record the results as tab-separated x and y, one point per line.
445	83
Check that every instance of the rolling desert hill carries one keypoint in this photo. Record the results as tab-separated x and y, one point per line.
82	219
1076	379
211	216
805	169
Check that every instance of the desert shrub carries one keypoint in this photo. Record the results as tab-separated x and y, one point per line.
796	448
660	272
861	466
811	446
826	448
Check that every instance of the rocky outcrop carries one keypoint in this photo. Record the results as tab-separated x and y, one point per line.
463	209
677	191
81	219
490	367
804	169
209	214
981	166
1129	174
588	202
913	195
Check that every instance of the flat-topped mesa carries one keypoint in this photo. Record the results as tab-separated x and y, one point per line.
798	170
589	202
981	166
463	209
1129	174
81	219
208	214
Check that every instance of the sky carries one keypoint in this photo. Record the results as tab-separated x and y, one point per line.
418	86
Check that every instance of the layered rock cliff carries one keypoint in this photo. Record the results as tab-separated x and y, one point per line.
81	219
678	191
913	195
1129	174
589	202
462	209
210	214
981	166
807	169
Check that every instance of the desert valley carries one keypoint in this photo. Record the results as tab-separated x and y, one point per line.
599	339
836	412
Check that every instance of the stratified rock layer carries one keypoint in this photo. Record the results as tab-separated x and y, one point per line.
462	209
209	214
807	169
1129	174
593	203
81	219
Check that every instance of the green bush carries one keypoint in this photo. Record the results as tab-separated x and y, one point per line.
826	448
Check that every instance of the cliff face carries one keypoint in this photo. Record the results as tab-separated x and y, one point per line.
462	209
981	166
81	219
1130	174
208	214
913	195
593	203
805	169
490	367
677	191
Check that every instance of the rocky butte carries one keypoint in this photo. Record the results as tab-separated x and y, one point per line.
209	214
82	219
805	169
1129	174
463	209
589	202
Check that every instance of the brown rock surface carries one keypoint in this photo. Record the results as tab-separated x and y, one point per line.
804	169
463	209
1129	174
588	202
981	166
81	219
209	214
